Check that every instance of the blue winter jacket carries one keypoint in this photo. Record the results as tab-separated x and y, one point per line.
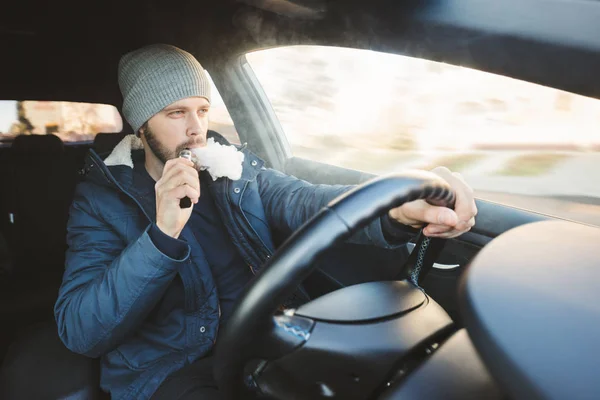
109	304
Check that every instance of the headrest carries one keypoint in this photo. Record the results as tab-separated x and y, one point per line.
106	142
39	145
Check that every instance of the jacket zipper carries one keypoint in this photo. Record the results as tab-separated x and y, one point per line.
266	254
264	247
219	323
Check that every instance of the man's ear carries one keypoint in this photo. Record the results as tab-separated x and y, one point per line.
142	130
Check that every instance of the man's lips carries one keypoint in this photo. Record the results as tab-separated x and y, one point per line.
194	146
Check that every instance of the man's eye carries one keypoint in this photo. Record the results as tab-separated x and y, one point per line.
203	111
176	113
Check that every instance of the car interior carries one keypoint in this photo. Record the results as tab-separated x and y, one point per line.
517	315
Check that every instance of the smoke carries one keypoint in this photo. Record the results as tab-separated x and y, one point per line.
219	160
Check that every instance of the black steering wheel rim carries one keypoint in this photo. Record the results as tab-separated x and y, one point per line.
292	263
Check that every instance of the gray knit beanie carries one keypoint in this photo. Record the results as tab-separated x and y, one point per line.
155	76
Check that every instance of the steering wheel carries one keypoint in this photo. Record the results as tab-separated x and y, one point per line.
251	331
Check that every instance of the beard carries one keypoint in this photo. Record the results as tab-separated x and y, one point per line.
162	152
156	147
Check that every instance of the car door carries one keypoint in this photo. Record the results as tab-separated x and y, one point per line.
342	116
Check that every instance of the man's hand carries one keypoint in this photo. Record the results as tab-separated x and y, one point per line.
441	222
179	179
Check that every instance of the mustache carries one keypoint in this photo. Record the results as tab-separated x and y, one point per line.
190	144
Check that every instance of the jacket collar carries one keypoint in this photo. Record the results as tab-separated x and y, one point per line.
122	153
117	168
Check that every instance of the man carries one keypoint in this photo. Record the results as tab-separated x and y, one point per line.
147	283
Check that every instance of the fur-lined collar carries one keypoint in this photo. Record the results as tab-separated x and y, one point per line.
121	154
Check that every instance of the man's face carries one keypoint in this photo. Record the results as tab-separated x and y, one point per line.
181	125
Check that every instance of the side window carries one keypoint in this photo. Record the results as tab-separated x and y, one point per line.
219	119
515	142
80	122
70	121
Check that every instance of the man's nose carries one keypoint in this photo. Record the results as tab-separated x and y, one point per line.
195	126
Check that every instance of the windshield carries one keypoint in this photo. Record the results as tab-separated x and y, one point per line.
515	142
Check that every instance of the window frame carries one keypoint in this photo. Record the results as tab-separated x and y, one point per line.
250	109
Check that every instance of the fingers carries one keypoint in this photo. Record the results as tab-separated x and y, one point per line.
447	235
178	164
435	229
447	232
465	202
179	179
440	221
175	162
172	197
176	173
419	212
465	206
180	192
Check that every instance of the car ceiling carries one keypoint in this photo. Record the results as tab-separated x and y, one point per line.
69	50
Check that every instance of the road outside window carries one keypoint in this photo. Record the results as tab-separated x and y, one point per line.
515	142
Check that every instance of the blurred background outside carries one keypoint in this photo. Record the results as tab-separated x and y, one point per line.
515	142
